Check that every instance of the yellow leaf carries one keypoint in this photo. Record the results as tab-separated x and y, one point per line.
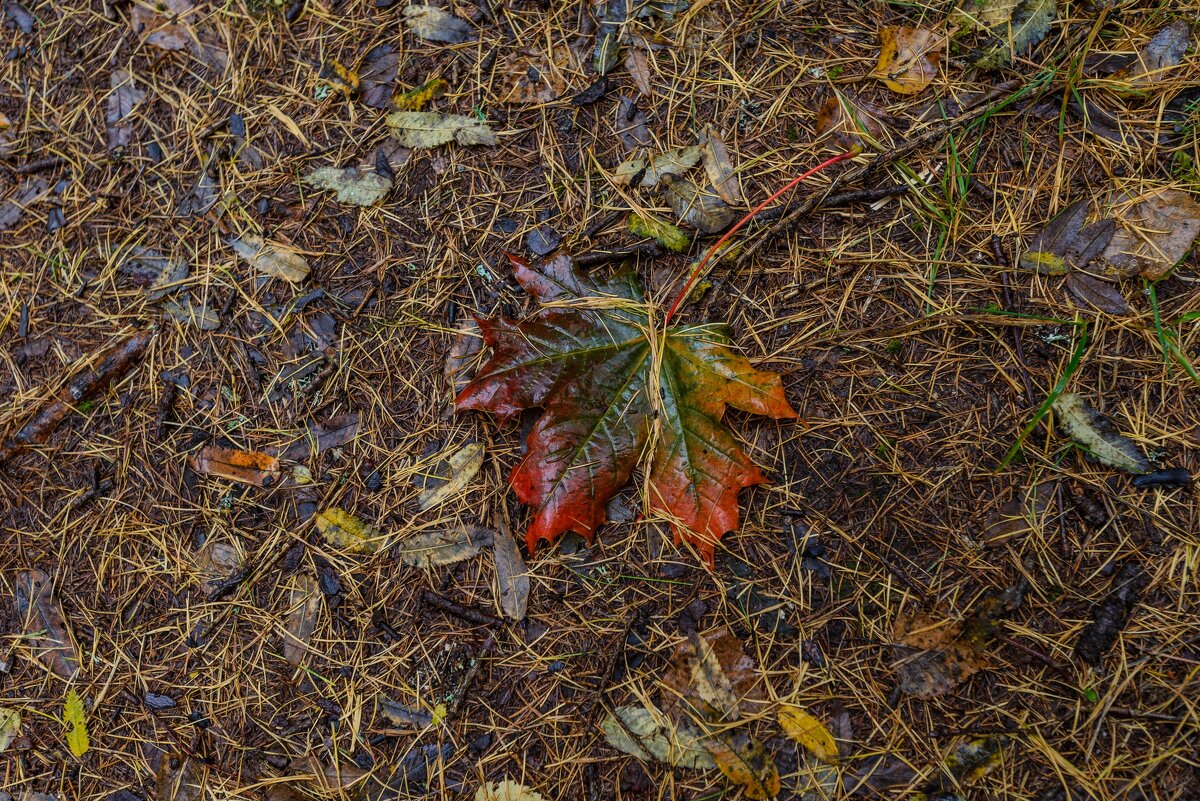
75	717
343	530
908	58
507	790
417	98
745	761
450	477
10	726
439	714
809	732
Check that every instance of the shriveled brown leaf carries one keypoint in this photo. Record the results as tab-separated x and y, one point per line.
271	259
715	670
377	74
179	778
436	548
933	657
1154	233
304	604
450	476
530	77
162	23
246	467
697	208
464	357
45	625
317	438
512	575
850	122
908	58
1024	514
639	69
1089	292
122	99
398	714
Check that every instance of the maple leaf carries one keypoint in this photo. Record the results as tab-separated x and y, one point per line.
615	390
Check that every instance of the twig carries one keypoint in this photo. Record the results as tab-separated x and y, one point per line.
466	613
48	163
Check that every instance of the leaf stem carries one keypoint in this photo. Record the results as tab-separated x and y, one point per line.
687	287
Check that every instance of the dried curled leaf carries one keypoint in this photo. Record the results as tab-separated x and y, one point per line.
811	733
1095	434
507	790
450	476
434	24
75	718
271	259
655	737
429	129
354	186
1030	23
1087	291
343	530
45	625
436	548
697	208
304	603
908	58
246	467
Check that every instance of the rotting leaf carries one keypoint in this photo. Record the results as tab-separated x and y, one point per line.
417	98
354	186
655	737
1047	252
1090	243
343	530
450	476
676	161
318	438
1087	291
1095	434
507	790
75	719
1110	616
1030	23
717	165
530	76
304	603
976	758
1164	51
10	726
28	192
932	656
512	575
178	779
639	69
464	357
434	24
377	73
699	209
712	673
246	467
271	259
187	312
811	733
444	547
1154	234
986	15
122	98
422	130
45	625
612	17
849	122
597	359
908	58
745	761
398	714
1025	513
158	23
652	226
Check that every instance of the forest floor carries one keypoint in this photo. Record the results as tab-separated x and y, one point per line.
937	574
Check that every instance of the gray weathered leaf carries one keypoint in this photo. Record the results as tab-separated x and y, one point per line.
701	210
45	625
10	726
1047	252
677	161
1095	434
28	192
428	129
972	15
1165	50
1090	243
436	548
377	74
448	478
1154	234
398	714
1030	23
434	24
512	575
304	603
1024	513
188	312
124	95
353	186
271	259
719	168
656	737
1087	291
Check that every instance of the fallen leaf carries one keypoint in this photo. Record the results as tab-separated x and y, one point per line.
933	657
377	74
437	548
422	130
164	274
158	23
1025	513
75	719
908	58
246	467
1110	616
972	15
612	16
450	476
464	356
28	192
398	714
304	603
639	69
354	186
655	737
1164	51
335	76
697	208
512	575
1029	25
973	760
187	312
654	227
343	530
271	259
434	24
1090	243
850	122
721	174
676	161
1087	291
10	726
419	97
45	626
631	124
531	77
178	779
1095	434
805	729
321	437
1154	233
1047	252
506	790
331	778
122	99
745	762
590	367
20	16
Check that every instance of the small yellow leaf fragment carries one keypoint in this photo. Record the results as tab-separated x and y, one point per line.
343	530
75	718
460	468
439	714
507	790
809	732
417	98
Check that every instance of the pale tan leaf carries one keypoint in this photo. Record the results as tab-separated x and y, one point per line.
1154	233
1030	23
435	24
451	476
429	129
811	733
512	575
908	58
677	162
654	736
271	259
10	726
162	23
507	790
354	186
45	626
435	548
700	209
639	68
343	530
717	164
1096	435
304	604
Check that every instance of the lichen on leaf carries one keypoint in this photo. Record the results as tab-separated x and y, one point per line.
616	390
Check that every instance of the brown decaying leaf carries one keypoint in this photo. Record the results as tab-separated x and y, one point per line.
1164	51
849	122
377	74
908	58
398	714
464	357
1024	513
28	192
512	575
450	476
162	23
1094	433
304	603
639	69
124	96
1110	616
271	259
1048	249
246	467
320	437
530	77
45	624
429	129
1155	232
697	208
1089	292
933	656
436	548
188	312
716	669
178	779
719	168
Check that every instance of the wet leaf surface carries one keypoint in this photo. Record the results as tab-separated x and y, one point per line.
1111	615
1096	435
436	24
695	207
1154	233
805	729
654	736
343	530
512	575
429	129
908	58
303	606
1089	292
1031	21
246	467
450	476
271	259
354	186
436	548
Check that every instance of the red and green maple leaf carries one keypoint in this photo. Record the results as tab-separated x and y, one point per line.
613	389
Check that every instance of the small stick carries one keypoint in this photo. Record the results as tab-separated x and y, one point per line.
461	612
48	163
1002	262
